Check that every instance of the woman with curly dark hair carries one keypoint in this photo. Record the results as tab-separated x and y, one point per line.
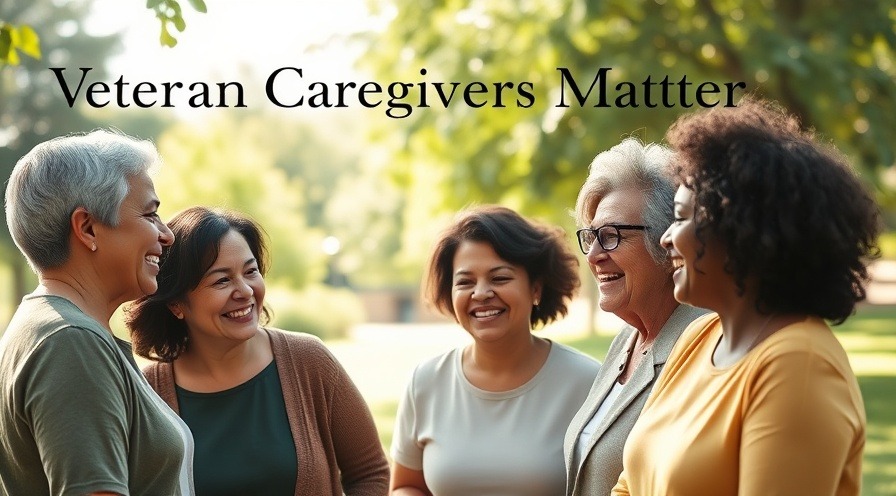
489	418
772	232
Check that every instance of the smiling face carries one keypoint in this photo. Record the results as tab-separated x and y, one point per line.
627	276
492	298
131	250
697	282
227	303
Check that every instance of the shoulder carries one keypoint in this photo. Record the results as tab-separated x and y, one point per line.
158	374
296	339
684	317
806	343
571	367
697	330
40	319
304	359
430	374
573	359
288	343
619	342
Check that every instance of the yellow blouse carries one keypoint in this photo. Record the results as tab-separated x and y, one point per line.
787	419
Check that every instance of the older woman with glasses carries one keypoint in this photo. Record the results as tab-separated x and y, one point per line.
624	206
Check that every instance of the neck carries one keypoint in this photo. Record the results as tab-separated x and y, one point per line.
651	322
503	366
216	364
503	356
82	290
743	326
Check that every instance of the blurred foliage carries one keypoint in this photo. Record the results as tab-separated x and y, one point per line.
887	245
829	61
326	312
337	190
226	163
32	109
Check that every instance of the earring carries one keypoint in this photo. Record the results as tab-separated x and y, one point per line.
93	247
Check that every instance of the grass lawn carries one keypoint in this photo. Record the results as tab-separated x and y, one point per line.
870	340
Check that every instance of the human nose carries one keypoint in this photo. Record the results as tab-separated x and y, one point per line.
596	252
666	238
166	237
242	289
482	292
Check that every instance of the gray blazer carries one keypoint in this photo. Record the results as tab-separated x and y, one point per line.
603	460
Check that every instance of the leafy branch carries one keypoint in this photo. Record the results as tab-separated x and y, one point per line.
15	39
169	14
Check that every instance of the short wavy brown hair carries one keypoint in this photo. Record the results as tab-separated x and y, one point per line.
541	249
789	210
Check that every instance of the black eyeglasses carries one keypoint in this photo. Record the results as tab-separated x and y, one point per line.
607	236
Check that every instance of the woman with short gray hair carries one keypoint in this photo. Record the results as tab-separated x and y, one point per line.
77	416
624	208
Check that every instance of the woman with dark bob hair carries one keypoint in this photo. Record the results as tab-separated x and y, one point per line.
272	412
489	418
772	232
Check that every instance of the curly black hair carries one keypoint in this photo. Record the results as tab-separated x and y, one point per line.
541	249
791	213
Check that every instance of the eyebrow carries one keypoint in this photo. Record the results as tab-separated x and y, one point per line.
592	226
465	272
154	203
224	270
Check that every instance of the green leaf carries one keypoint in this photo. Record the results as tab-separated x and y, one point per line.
12	57
165	37
199	5
152	4
29	42
178	22
6	46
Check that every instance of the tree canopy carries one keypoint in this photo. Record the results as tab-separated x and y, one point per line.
16	39
829	61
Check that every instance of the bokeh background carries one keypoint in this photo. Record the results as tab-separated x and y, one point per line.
352	198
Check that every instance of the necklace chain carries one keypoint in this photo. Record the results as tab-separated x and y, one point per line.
761	332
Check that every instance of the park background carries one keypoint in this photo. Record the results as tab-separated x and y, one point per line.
352	199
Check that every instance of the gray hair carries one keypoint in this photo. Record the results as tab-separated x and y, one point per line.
632	164
58	176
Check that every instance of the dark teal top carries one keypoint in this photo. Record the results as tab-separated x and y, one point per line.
243	442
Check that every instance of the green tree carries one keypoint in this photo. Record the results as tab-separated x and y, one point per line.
346	195
225	163
829	61
32	109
